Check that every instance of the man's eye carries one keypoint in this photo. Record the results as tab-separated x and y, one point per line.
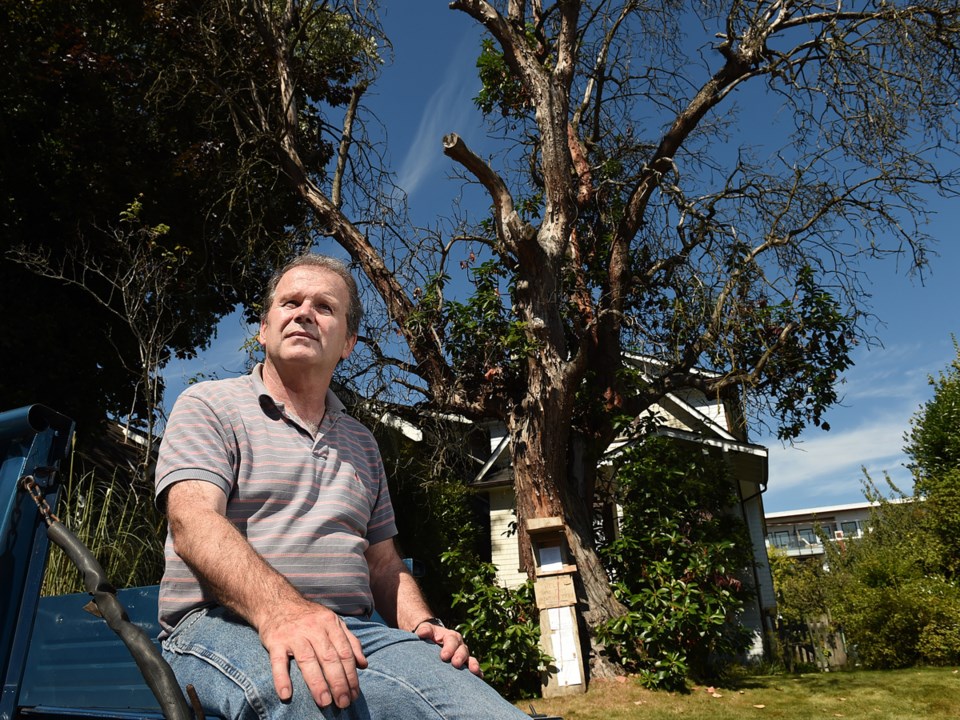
323	308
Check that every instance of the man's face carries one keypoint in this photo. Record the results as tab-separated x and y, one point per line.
307	321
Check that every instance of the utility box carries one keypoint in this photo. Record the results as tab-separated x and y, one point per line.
557	602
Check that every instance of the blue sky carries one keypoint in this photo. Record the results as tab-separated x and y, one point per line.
427	93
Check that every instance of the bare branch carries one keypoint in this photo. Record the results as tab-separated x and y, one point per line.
510	228
345	141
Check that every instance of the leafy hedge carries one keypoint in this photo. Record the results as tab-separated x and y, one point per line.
675	566
501	626
889	594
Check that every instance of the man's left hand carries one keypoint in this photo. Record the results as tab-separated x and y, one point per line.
452	647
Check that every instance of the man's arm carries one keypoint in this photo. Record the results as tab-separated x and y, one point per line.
401	603
289	625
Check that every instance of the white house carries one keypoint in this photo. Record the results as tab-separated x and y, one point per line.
689	418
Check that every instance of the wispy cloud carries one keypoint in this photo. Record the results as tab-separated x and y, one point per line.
829	468
892	372
449	109
884	391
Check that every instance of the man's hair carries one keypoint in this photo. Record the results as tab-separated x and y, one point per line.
324	262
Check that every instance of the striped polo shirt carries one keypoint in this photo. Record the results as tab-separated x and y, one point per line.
310	506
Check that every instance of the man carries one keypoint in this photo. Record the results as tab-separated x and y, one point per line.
280	540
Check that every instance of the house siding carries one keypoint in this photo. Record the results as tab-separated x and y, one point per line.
504	549
753	516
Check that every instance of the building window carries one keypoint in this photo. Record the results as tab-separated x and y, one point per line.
808	537
851	528
781	539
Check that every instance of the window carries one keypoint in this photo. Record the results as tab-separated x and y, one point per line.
851	528
780	539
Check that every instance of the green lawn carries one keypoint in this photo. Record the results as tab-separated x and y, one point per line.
927	693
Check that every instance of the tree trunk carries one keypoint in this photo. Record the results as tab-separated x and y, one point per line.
540	453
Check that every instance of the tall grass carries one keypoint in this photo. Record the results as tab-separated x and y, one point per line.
120	524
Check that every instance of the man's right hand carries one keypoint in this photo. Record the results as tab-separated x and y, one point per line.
326	652
290	626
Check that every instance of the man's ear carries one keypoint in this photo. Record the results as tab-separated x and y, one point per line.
348	347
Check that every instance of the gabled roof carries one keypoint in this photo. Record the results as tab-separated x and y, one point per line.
707	432
696	416
650	367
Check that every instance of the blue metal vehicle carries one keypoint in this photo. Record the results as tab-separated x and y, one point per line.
58	656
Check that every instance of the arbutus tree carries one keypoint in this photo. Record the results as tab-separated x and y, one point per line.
637	209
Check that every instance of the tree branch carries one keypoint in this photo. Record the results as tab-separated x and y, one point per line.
346	140
510	228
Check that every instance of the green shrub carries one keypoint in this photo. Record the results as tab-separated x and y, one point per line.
933	444
883	628
674	566
940	641
889	592
501	626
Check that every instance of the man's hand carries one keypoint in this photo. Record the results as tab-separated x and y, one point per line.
452	647
399	601
290	626
327	654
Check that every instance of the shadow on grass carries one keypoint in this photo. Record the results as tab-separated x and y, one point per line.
826	680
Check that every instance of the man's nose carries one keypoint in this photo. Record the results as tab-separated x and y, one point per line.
304	312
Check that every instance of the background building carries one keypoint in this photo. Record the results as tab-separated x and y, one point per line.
798	532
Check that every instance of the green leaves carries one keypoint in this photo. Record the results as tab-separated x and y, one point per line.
890	591
933	445
673	565
106	102
500	625
804	345
484	339
501	89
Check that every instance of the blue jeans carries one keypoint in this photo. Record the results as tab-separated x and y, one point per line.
221	656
